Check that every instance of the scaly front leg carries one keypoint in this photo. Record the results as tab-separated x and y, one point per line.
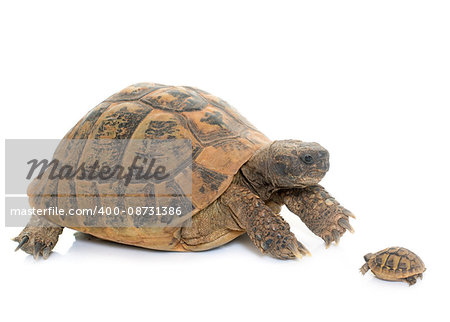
267	230
319	211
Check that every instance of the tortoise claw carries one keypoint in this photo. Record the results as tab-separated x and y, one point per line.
22	242
336	231
295	251
37	249
349	213
46	252
336	236
298	250
343	222
327	240
302	249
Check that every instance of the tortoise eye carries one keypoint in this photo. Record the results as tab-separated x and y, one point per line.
308	159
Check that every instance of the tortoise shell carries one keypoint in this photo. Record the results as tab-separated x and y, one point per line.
395	263
222	141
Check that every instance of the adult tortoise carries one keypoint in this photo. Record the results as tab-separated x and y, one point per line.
240	178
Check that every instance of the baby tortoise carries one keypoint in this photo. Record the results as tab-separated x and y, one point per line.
240	178
394	264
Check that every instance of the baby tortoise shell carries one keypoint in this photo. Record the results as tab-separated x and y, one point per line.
394	264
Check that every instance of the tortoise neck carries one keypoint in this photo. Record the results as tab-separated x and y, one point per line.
255	173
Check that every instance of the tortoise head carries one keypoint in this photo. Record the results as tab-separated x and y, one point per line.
367	257
293	163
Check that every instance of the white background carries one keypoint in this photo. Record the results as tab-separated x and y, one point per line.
369	80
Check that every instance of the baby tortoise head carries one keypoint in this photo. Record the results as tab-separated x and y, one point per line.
368	256
293	163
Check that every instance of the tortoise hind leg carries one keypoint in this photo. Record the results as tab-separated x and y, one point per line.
411	280
38	237
212	227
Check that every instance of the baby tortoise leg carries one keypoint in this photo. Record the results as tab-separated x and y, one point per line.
38	237
319	211
411	280
267	230
364	269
